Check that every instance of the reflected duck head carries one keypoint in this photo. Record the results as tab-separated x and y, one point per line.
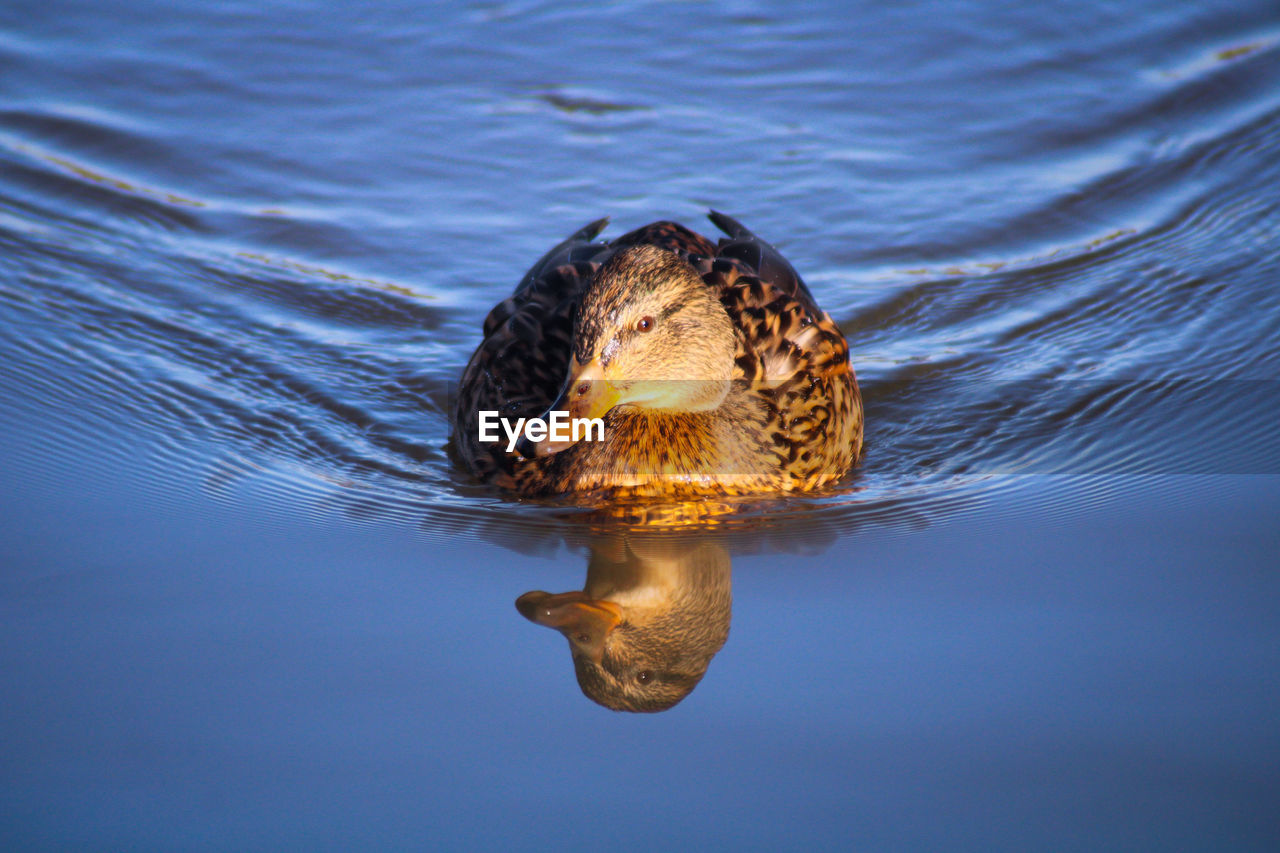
645	628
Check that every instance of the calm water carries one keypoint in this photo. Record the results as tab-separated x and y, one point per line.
248	603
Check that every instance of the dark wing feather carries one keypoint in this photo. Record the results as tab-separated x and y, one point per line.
578	247
520	365
761	258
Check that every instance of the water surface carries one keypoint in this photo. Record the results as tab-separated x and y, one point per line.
248	602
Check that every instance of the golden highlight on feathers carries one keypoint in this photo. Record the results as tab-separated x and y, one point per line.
723	375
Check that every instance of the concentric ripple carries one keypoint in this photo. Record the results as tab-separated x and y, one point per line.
181	337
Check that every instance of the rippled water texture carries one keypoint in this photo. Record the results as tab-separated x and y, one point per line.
248	601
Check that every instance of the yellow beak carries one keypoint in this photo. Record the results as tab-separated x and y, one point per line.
586	394
585	621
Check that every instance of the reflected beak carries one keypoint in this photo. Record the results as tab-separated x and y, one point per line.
586	394
585	621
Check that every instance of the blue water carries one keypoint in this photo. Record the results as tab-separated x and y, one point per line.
247	602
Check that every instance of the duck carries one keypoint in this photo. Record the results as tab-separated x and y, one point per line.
697	369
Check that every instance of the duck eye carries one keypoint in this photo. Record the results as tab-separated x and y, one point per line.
645	324
644	676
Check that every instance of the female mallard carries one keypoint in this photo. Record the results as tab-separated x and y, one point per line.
711	368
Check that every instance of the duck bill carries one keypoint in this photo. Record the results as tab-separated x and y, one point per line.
586	395
585	621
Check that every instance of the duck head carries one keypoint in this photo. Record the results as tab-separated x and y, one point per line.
649	333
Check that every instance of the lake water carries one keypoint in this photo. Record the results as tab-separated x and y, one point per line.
248	603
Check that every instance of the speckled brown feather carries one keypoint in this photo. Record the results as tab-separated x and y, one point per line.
795	414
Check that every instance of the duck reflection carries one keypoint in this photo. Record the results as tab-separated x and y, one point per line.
642	630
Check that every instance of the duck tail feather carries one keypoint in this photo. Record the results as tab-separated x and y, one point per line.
729	225
590	231
564	252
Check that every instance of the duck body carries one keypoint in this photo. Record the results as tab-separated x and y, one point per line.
711	366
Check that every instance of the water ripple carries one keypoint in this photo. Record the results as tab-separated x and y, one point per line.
1119	322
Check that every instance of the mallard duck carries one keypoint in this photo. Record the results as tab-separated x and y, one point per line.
653	613
710	367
